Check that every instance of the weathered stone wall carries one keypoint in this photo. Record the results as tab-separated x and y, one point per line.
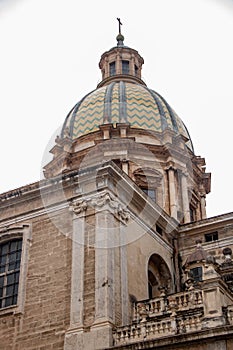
139	253
45	314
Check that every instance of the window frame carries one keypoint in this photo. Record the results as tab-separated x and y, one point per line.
197	274
8	234
211	237
149	191
10	253
112	68
125	67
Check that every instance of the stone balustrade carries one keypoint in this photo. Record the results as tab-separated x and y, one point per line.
163	316
187	300
146	330
159	306
180	313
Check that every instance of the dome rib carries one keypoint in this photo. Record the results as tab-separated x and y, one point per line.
173	118
160	107
71	115
123	104
108	104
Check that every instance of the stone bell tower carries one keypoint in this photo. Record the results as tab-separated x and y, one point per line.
135	178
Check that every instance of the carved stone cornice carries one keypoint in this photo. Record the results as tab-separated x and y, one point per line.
118	210
100	203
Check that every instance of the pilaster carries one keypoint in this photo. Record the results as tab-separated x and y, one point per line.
185	198
77	281
172	191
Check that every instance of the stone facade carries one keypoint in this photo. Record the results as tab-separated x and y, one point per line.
116	250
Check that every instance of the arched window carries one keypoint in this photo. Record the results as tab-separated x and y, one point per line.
10	257
159	276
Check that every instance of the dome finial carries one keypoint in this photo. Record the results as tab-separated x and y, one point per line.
120	37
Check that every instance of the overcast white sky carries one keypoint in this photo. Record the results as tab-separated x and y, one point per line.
49	57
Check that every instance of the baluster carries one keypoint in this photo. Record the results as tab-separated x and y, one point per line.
188	326
122	336
156	330
162	305
115	338
158	306
166	329
153	328
132	333
153	307
138	330
198	322
159	327
193	326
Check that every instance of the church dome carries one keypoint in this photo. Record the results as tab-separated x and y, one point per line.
123	102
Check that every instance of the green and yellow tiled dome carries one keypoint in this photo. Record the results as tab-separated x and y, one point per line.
123	102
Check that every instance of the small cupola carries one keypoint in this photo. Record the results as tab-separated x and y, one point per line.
121	63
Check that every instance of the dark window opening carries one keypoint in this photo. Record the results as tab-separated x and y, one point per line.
196	274
117	162
192	214
112	67
159	229
210	237
136	70
10	257
150	291
125	67
150	192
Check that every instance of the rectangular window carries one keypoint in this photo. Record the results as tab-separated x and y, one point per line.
112	68
196	274
125	67
150	192
136	70
10	257
210	237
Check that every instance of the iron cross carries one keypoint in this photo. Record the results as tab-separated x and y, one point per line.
120	24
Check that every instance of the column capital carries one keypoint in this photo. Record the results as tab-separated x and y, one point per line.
78	207
170	166
113	205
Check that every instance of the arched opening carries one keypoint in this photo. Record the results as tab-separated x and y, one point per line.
159	277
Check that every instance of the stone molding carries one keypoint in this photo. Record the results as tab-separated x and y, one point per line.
105	201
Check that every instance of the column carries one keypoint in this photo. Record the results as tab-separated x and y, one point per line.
77	279
203	206
124	276
104	269
118	64
172	192
131	65
185	198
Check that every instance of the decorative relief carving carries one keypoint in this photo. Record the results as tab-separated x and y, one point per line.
78	207
114	204
98	203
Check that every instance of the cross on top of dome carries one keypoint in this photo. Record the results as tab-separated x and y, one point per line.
120	37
